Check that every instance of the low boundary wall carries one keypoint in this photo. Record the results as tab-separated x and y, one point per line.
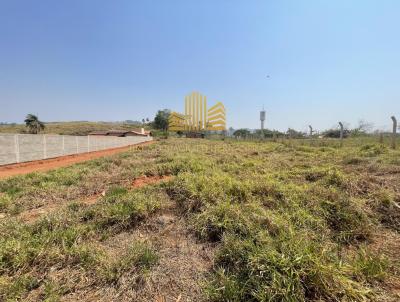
17	148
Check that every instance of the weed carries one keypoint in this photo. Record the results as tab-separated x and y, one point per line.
52	292
371	150
279	270
370	267
227	217
12	289
347	221
389	211
353	160
125	209
335	178
138	258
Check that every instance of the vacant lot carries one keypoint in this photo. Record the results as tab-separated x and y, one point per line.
195	220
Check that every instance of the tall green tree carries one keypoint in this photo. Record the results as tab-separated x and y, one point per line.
241	133
33	124
161	119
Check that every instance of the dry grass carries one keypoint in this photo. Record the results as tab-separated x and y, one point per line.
233	221
71	128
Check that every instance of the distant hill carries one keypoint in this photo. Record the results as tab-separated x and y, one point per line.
74	128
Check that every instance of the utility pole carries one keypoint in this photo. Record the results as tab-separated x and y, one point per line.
262	119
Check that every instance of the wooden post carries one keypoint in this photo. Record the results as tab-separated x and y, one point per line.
341	133
394	132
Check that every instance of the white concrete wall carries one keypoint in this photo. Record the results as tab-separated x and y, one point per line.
15	148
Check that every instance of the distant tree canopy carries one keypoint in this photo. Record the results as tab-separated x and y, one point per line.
335	133
268	133
161	119
241	133
33	124
294	133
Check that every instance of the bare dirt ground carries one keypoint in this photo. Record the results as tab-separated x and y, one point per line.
62	161
147	180
178	276
387	242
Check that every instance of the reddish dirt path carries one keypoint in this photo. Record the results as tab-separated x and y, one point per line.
148	180
62	161
32	215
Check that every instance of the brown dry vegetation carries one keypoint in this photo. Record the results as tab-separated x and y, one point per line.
71	128
194	220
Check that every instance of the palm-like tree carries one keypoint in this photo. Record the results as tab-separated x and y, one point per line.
33	124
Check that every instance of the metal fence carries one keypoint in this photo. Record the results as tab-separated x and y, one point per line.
16	148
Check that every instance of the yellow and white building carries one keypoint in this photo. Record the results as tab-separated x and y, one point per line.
197	117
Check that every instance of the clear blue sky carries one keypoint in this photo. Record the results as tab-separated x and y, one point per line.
115	60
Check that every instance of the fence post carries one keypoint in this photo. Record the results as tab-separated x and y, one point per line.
381	138
394	132
16	145
44	147
341	134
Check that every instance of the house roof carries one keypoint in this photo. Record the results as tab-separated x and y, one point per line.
121	132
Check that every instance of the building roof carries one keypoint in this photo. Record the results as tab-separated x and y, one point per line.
121	132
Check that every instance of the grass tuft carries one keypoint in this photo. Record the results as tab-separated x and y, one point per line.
139	258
